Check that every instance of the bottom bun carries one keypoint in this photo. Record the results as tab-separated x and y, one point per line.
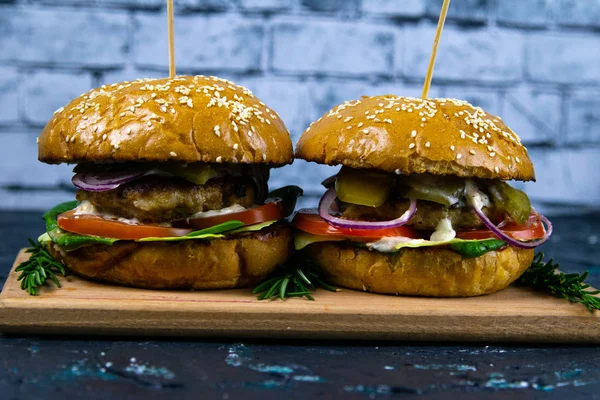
191	264
427	271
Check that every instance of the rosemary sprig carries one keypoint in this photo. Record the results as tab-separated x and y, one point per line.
40	267
299	277
544	275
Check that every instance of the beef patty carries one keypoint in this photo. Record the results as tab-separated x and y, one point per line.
164	199
427	216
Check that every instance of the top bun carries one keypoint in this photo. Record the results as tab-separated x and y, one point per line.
186	119
408	135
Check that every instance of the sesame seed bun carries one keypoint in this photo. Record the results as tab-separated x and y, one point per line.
409	135
430	271
186	119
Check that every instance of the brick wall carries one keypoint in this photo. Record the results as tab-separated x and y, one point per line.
535	62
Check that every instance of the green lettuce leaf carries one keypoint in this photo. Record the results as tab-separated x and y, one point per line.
224	227
69	241
289	196
467	248
476	248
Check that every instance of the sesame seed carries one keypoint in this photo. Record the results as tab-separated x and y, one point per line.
116	145
496	169
452	147
163	109
347	119
149	123
172	111
427	144
462	134
219	159
37	139
413	133
264	157
104	137
349	127
365	131
360	124
458	156
67	139
122	114
173	154
472	152
128	131
517	159
267	121
397	172
235	146
411	146
423	119
59	110
389	121
492	154
217	130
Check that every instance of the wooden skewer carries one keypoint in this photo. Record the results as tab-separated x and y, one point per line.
436	41
171	38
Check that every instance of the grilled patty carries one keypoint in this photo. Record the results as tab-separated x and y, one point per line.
165	199
427	216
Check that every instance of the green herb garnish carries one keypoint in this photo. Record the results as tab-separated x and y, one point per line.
299	277
544	275
40	266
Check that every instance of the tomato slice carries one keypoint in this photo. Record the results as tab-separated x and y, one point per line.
313	223
97	226
532	229
269	212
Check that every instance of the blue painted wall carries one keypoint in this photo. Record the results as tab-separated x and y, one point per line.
536	63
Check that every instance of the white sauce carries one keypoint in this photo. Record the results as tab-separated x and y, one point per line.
443	231
227	210
475	197
87	208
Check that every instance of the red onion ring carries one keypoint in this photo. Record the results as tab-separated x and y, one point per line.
104	181
514	242
329	198
498	232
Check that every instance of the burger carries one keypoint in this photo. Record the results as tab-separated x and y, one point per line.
172	185
421	204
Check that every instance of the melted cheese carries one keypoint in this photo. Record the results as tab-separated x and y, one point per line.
389	244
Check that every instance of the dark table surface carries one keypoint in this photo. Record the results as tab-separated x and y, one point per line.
65	367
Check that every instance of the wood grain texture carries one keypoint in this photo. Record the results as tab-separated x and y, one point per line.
87	308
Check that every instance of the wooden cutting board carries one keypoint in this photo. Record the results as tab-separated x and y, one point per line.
82	307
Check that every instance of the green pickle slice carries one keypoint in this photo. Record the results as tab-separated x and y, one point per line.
513	201
364	187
